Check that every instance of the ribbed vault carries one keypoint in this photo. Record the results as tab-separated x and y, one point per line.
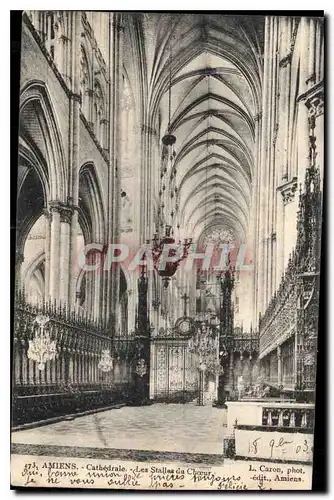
216	94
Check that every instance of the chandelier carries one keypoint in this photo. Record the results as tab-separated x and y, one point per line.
42	348
179	252
106	362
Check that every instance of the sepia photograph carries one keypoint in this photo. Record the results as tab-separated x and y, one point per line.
170	180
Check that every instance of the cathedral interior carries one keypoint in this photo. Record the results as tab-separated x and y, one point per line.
203	132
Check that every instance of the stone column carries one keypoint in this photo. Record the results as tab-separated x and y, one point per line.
303	31
285	70
268	165
97	288
77	299
279	366
310	81
64	271
261	257
111	290
271	186
47	216
75	102
255	213
73	259
319	50
149	137
19	259
90	288
55	251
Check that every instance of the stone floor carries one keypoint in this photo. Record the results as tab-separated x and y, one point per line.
160	427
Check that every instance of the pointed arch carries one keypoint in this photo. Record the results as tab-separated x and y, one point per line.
36	94
31	158
92	202
33	266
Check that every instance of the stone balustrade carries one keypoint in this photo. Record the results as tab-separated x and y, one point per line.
270	429
269	413
288	415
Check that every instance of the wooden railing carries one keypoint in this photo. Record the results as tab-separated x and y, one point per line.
291	318
245	342
279	321
73	381
79	343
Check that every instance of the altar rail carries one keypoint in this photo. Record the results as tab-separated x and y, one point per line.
73	381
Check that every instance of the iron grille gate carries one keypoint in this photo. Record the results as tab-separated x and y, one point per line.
174	371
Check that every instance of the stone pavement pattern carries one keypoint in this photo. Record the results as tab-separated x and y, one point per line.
161	427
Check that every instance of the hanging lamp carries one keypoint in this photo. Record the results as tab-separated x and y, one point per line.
167	200
169	139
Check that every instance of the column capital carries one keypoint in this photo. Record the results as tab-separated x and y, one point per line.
66	213
46	213
54	206
65	210
288	190
71	205
314	100
315	104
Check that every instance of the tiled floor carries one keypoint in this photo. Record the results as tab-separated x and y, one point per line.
160	427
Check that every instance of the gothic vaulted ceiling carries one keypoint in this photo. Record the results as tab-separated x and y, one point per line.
215	65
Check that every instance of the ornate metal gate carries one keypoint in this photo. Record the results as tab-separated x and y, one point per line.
174	370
